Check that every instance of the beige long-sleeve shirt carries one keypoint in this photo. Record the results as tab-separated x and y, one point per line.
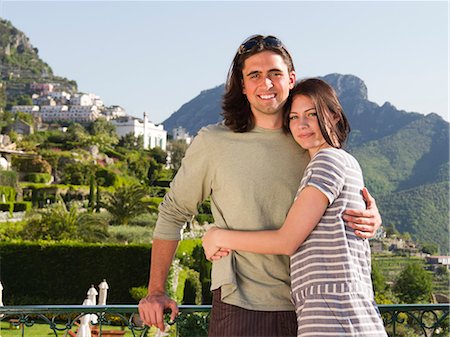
252	179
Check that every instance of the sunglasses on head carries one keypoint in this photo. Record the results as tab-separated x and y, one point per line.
267	41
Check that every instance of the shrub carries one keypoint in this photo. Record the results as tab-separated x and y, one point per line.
144	220
153	203
130	234
22	206
157	191
201	218
8	178
33	164
105	177
6	207
9	193
162	183
77	173
41	178
138	292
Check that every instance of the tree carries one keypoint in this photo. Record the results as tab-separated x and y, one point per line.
130	142
126	203
102	133
153	171
102	126
2	96
24	100
77	173
177	150
378	280
138	163
414	284
91	194
77	135
159	155
430	248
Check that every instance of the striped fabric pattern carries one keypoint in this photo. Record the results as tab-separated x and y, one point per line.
330	272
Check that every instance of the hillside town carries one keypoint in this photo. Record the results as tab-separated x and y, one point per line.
51	105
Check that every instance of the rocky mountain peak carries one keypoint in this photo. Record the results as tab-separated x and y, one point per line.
347	85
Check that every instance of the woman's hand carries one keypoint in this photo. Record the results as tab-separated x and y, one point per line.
212	251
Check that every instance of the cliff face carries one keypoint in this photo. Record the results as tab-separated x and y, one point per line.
20	65
18	56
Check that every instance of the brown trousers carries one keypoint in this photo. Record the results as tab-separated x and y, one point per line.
231	321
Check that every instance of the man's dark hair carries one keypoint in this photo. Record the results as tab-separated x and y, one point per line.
328	108
236	108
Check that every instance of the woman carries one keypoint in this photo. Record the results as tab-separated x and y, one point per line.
330	266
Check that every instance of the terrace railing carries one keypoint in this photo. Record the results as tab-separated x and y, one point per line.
419	320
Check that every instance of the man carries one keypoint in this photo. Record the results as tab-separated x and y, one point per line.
250	168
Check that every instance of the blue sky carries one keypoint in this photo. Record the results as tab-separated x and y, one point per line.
155	56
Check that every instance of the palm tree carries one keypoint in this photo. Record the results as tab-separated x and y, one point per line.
126	203
58	222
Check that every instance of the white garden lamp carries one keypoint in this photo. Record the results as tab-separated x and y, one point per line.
92	295
84	330
103	290
91	300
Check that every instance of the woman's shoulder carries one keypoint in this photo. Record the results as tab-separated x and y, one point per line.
339	158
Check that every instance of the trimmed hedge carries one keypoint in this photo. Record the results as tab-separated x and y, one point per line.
22	206
6	207
44	273
38	177
31	164
162	183
9	193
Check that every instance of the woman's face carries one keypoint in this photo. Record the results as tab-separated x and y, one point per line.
304	124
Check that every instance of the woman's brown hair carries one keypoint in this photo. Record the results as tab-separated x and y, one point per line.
332	121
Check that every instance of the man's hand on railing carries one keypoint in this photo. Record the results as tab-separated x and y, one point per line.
152	307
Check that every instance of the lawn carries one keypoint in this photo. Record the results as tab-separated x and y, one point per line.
43	330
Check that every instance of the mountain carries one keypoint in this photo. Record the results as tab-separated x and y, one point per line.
20	65
404	155
202	110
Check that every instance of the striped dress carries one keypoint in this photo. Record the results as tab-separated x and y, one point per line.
330	272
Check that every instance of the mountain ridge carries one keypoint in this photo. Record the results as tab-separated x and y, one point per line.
402	154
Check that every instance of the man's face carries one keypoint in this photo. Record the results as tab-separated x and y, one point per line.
266	83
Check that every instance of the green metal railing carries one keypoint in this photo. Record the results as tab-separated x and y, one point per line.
400	320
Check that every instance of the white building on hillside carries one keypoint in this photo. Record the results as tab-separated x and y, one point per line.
180	133
83	113
30	109
154	135
86	99
114	111
74	113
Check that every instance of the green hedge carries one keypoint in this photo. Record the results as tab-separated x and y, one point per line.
6	207
43	273
9	193
162	183
22	206
38	177
31	164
